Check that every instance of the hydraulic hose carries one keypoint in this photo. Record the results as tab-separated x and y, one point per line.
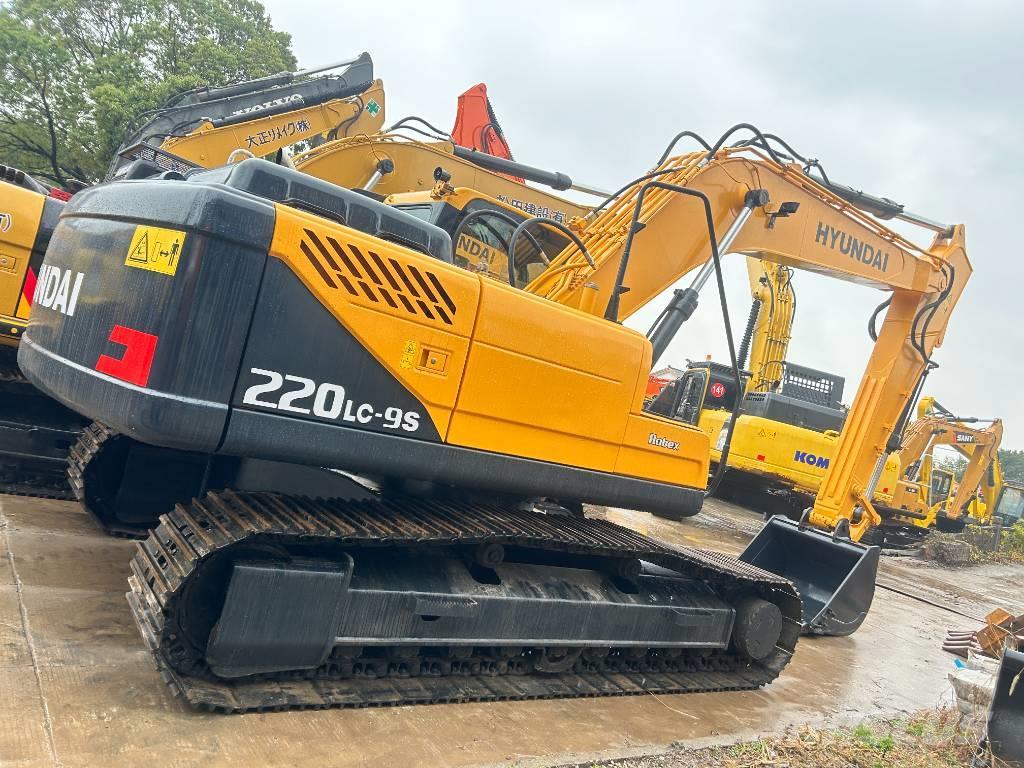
931	309
753	129
668	149
675	140
748	333
416	119
611	312
872	329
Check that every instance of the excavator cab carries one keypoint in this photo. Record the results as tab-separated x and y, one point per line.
940	488
482	229
1010	506
705	385
834	575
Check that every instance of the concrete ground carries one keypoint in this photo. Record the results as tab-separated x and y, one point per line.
77	688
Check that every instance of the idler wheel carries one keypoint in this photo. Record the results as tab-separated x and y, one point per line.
758	627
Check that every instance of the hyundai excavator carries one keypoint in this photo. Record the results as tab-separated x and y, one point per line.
200	128
277	338
125	485
110	474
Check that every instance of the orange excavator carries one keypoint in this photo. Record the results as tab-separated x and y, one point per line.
477	127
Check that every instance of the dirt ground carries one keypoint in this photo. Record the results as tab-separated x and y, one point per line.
77	688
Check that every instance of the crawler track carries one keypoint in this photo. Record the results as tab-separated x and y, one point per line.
165	567
34	434
90	444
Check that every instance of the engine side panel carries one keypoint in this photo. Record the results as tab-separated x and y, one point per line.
147	327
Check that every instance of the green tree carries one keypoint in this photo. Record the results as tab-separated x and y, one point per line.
75	73
954	464
1012	463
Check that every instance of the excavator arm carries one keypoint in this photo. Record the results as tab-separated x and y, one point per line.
981	448
204	126
935	426
647	239
770	325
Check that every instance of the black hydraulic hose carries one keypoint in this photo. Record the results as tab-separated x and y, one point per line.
753	129
527	223
748	333
711	154
420	132
872	329
931	308
792	292
473	215
808	162
896	436
657	320
675	140
415	118
634	182
342	127
611	312
772	137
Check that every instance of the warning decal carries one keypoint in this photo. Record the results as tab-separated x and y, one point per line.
155	249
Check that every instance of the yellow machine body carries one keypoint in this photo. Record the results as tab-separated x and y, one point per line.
21	212
499	331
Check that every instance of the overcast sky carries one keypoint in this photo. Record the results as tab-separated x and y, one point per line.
919	102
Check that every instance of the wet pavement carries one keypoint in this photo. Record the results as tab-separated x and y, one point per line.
77	688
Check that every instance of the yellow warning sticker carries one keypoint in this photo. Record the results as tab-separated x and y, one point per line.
155	249
408	354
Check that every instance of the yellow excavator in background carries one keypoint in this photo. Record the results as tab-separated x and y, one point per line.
927	497
286	338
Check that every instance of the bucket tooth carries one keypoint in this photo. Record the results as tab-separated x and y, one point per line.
834	576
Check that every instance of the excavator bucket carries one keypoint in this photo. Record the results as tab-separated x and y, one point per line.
834	576
1006	713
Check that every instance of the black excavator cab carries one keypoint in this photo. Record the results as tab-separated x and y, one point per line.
834	575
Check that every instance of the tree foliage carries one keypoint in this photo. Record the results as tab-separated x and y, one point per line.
75	73
1012	463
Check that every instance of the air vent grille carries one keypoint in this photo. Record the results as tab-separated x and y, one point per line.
381	280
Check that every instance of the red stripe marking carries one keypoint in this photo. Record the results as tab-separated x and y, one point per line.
134	364
28	290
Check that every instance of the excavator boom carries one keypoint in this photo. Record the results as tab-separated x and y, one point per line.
203	126
803	225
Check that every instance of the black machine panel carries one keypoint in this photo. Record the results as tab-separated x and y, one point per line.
182	260
805	398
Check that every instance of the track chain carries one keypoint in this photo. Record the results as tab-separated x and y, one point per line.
16	477
91	442
166	562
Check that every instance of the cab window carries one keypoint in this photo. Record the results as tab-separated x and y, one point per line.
1011	505
484	242
941	482
721	392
